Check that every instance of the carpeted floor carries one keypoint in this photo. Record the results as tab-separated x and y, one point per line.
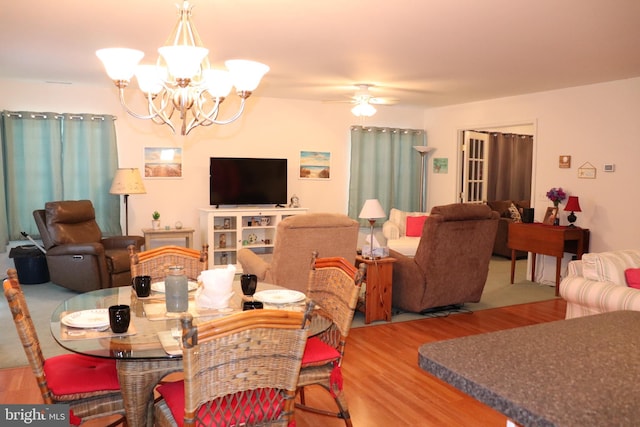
498	292
44	298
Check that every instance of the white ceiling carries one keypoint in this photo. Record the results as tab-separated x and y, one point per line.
422	52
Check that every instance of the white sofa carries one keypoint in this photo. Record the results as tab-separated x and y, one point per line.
395	231
597	284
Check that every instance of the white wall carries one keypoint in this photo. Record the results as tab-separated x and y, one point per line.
269	128
596	124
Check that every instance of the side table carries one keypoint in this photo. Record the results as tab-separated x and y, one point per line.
552	240
172	233
379	285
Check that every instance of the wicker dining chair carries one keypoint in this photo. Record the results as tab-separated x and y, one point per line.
334	285
88	385
153	262
240	369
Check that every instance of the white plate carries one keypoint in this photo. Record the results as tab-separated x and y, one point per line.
96	318
159	286
279	296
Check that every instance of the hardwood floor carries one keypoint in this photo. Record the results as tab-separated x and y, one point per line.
384	385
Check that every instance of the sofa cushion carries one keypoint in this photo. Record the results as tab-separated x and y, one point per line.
501	206
514	213
610	266
633	277
407	246
415	225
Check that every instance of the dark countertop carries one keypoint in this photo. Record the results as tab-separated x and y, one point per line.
577	372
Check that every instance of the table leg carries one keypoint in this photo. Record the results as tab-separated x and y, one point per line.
137	378
533	266
513	264
558	266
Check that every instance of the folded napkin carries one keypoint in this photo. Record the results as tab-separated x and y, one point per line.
215	291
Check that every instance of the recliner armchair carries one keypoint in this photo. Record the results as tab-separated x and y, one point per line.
78	257
451	263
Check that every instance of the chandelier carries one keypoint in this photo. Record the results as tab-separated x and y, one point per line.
182	83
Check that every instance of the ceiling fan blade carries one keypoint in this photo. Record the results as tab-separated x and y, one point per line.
383	101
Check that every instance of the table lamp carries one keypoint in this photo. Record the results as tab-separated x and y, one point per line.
573	205
371	211
127	181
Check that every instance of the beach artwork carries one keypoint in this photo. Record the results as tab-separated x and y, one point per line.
162	162
315	165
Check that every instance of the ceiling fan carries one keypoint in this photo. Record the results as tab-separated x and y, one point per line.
364	101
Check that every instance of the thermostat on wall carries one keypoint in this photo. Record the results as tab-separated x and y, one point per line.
610	167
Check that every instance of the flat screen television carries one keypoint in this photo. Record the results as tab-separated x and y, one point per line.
247	181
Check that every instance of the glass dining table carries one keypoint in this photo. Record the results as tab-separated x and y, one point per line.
150	348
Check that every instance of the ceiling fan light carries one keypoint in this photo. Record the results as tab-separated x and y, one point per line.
363	109
183	61
246	75
120	63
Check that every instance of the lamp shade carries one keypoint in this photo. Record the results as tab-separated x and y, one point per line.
372	209
127	181
573	204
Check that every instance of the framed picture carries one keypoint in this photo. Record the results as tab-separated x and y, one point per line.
440	165
162	162
564	162
315	165
550	215
587	171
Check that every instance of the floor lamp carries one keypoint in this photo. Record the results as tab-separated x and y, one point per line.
423	150
127	181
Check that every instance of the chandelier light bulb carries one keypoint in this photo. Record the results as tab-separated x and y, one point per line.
120	63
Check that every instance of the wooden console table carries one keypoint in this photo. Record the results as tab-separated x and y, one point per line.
379	286
172	233
552	240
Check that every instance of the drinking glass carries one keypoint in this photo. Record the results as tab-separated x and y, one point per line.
249	283
119	318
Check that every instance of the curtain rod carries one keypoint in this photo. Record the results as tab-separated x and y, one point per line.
70	116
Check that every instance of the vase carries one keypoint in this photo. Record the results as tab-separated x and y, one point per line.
556	220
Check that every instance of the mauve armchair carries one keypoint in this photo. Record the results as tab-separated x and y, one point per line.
452	260
297	237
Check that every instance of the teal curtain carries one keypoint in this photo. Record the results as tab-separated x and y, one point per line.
51	156
90	159
384	166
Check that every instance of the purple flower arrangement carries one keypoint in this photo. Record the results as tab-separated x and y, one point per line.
556	195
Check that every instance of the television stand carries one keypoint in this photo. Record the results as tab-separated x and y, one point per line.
279	206
253	228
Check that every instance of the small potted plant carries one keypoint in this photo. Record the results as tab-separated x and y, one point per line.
155	223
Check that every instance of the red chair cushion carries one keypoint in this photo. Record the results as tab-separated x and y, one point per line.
317	352
269	406
74	373
415	224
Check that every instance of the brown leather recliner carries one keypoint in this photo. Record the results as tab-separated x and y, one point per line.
77	256
452	260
